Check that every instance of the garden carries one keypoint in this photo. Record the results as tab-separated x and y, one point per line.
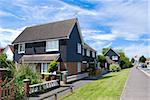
17	75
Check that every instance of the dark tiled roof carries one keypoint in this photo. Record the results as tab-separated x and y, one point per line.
109	50
59	29
86	46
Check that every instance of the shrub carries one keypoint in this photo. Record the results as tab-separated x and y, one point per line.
53	66
114	67
25	72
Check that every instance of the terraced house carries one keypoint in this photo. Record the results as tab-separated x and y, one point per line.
61	41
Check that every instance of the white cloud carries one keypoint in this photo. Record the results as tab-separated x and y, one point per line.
8	35
91	34
108	45
126	19
2	13
136	49
98	45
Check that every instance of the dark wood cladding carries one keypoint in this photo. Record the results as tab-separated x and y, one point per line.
111	53
74	39
16	55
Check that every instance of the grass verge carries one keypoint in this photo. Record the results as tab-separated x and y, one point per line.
109	87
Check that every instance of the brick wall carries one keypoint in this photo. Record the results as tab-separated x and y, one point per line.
71	67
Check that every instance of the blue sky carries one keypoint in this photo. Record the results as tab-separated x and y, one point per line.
120	24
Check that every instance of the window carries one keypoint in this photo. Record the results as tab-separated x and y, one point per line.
52	45
88	53
21	48
114	57
79	49
93	54
44	68
79	66
33	66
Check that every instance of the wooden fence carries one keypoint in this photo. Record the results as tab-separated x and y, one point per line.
76	77
7	91
57	93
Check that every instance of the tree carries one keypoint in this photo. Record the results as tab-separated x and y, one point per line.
132	60
101	59
7	64
142	59
104	50
124	61
3	58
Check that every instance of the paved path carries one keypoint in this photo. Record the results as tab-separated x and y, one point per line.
137	86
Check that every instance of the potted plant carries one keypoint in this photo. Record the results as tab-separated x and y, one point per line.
52	67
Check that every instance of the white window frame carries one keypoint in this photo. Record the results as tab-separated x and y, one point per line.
88	53
52	43
79	48
19	48
42	68
79	67
93	54
114	57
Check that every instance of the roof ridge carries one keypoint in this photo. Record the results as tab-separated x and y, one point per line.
51	22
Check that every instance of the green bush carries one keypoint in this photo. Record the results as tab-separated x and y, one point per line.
114	67
53	66
25	72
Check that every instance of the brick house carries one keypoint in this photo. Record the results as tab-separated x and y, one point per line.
61	41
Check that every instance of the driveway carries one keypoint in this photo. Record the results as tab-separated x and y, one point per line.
137	86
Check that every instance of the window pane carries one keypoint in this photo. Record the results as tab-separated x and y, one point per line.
52	45
44	67
79	48
21	48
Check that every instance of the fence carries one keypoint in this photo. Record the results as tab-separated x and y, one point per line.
7	93
29	89
56	94
76	77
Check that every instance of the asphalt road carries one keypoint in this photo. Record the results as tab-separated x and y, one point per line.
137	86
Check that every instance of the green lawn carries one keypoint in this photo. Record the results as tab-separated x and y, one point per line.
107	88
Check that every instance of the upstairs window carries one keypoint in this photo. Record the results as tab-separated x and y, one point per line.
88	53
79	49
93	54
21	48
52	45
114	57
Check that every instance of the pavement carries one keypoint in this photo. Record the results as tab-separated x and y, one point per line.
76	85
137	86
